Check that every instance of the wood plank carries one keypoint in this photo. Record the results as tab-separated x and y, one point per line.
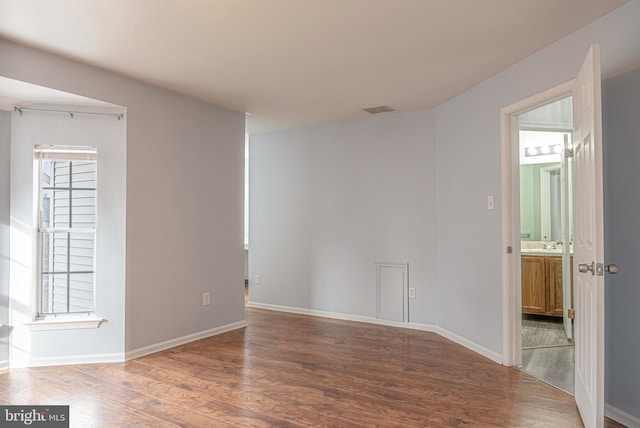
294	370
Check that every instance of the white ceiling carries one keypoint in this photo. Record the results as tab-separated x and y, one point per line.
292	63
14	93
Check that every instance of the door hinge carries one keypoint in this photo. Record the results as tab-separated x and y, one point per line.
509	249
568	153
571	314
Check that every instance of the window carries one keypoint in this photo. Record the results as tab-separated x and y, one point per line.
67	187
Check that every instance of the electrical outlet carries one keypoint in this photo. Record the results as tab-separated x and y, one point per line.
412	293
206	298
257	279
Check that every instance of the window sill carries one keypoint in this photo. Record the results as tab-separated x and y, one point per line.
64	324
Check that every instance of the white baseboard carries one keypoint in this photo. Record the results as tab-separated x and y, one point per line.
338	316
69	360
494	356
485	352
157	347
622	417
120	357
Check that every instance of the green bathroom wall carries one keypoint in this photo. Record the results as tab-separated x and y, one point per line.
530	201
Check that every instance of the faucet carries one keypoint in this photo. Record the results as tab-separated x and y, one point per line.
551	245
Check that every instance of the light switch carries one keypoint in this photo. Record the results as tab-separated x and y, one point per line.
491	203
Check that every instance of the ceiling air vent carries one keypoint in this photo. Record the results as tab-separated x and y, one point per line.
379	109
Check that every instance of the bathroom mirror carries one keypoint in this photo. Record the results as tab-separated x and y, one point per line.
541	185
536	204
550	203
544	133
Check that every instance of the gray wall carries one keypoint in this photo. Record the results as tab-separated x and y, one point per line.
184	197
328	202
5	149
468	274
315	258
621	111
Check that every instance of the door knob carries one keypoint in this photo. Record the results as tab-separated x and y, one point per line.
584	268
612	268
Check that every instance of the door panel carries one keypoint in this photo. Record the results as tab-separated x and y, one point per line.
588	242
392	292
533	285
555	296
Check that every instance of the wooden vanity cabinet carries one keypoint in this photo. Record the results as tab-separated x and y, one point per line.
554	291
534	296
542	285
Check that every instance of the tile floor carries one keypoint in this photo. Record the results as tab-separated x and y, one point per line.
546	353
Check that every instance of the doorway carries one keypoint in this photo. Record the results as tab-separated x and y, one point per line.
535	133
544	134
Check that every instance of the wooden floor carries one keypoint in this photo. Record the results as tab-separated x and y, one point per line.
292	370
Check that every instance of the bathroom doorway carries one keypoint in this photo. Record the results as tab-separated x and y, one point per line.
544	139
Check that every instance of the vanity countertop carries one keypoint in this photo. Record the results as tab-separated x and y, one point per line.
542	252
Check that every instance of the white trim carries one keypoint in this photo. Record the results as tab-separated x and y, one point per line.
157	347
4	365
510	229
511	294
68	360
494	356
620	416
120	357
64	324
340	316
479	349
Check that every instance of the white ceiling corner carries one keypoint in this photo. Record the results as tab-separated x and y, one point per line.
294	63
15	93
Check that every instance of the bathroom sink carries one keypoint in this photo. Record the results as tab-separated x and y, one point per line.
540	251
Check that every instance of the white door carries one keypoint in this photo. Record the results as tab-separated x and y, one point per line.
588	242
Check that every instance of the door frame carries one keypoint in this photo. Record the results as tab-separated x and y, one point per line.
510	192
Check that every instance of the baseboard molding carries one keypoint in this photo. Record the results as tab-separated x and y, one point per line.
494	356
69	360
479	349
620	416
338	316
157	347
120	357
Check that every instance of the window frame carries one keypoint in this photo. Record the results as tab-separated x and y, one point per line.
67	154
